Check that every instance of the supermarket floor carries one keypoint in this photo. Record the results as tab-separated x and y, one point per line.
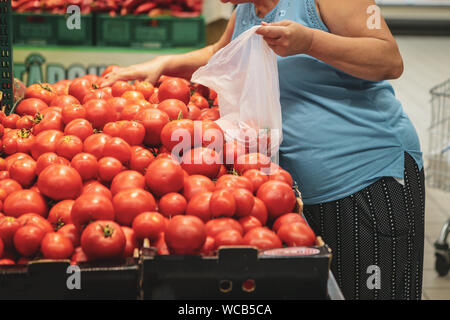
427	63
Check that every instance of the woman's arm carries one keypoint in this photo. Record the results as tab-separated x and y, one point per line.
180	65
352	47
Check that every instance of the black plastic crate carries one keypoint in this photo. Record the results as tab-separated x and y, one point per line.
6	79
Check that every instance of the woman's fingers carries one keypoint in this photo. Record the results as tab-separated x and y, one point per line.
273	32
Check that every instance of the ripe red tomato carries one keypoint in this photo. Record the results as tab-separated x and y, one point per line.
179	133
132	132
91	207
193	112
211	135
252	161
47	159
209	114
79	88
222	203
153	121
35	220
128	179
244	202
45	142
10	121
68	146
60	182
72	112
199	101
78	256
30	106
149	225
23	171
1	247
185	235
282	175
278	197
108	168
140	159
201	90
172	204
130	203
249	222
99	112
86	165
154	97
118	103
26	122
16	156
230	181
132	95
117	148
95	187
209	246
50	119
96	94
5	262
164	176
296	234
55	245
103	239
27	240
59	215
174	88
131	241
81	128
228	237
95	143
259	211
9	186
262	238
287	218
199	206
119	87
64	100
18	140
42	91
62	87
174	108
130	111
203	161
196	184
144	87
215	226
8	227
24	201
256	177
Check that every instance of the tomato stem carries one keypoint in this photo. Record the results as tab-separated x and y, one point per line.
108	231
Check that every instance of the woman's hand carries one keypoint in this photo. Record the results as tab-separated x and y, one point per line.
149	71
287	38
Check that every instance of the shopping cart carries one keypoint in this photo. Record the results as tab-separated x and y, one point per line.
438	171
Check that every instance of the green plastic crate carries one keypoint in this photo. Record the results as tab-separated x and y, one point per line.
46	28
151	32
6	79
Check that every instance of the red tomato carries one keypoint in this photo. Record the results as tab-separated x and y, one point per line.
132	132
153	121
230	181
71	232
16	156
128	179
78	256
209	246
119	87
199	206
95	187
211	135
55	245
185	235
249	222
222	203
130	203
193	112
228	237
5	262
99	112
278	197
262	238
164	176
24	201
72	112
132	95
9	186
117	148
108	168
47	159
30	106
45	142
118	103
86	165
10	121
23	171
174	108
60	182
154	97
282	175
18	140
179	133
259	211
252	161
130	111
287	218
203	161
174	88
244	202
256	177
149	225
42	91
60	214
131	241
103	239
215	226
209	114
27	240
172	204
26	122
196	184
96	94
95	144
79	88
91	207
1	247
50	120
68	146
35	220
4	175
62	87
296	234
64	100
140	159
8	227
199	101
81	128
161	245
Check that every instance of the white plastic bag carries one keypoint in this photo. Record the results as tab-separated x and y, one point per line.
245	76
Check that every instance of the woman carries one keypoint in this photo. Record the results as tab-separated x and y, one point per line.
347	141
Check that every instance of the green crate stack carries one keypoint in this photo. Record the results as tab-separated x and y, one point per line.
48	29
151	32
6	80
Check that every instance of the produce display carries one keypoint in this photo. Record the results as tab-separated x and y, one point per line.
89	173
113	7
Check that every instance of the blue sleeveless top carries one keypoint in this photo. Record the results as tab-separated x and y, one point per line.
340	133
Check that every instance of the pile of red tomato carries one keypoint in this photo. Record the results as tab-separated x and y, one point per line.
88	173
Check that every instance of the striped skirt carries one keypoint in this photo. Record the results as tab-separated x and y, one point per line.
377	237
